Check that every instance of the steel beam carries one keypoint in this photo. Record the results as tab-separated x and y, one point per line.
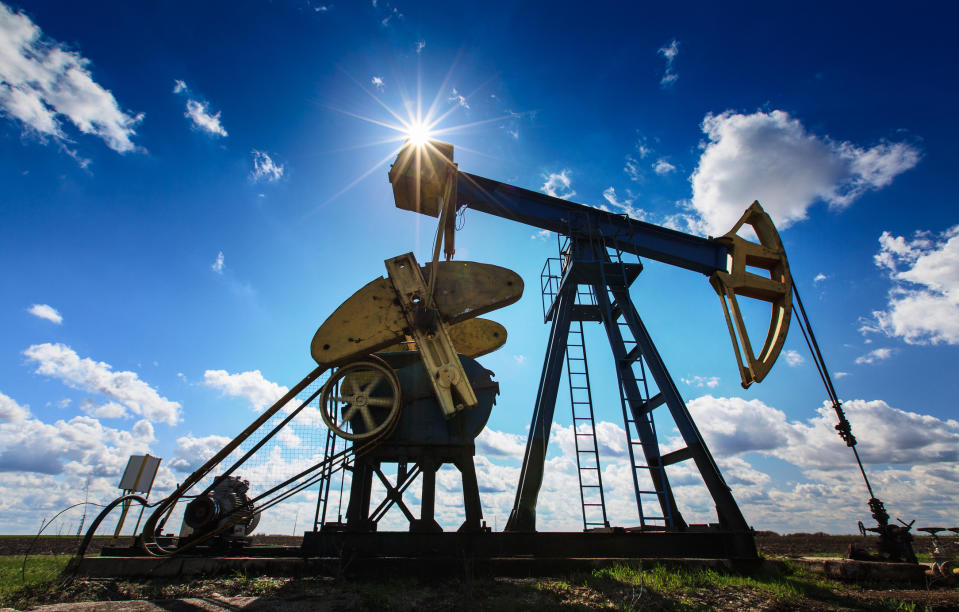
579	221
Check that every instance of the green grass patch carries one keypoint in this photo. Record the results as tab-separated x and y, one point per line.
790	587
40	569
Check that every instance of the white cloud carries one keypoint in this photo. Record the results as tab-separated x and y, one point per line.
840	374
886	435
819	278
771	157
110	410
11	411
378	83
923	305
519	359
625	205
61	362
179	86
252	386
264	168
873	356
541	235
45	311
203	120
663	167
702	381
42	82
558	185
669	52
218	264
632	169
80	445
458	98
322	9
191	452
420	45
793	358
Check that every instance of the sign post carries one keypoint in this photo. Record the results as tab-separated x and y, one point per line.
138	477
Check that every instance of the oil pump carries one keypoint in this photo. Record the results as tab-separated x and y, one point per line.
404	386
426	180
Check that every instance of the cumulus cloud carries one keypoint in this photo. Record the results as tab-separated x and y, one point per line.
420	45
377	82
252	386
218	263
264	168
734	426
624	204
771	157
541	235
192	452
202	120
45	311
126	388
701	381
179	86
669	53
11	411
42	83
819	278
793	358
663	167
28	444
873	356
923	306
558	184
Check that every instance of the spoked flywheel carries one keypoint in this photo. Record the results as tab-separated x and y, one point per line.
361	400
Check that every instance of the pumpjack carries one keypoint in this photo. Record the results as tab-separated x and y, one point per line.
403	385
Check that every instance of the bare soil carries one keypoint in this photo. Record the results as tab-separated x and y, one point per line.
575	591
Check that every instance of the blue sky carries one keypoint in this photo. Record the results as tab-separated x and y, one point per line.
189	191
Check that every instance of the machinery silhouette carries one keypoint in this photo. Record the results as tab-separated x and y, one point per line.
405	388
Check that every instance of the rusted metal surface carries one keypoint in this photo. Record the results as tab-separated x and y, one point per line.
372	319
472	337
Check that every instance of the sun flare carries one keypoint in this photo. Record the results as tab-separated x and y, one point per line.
418	133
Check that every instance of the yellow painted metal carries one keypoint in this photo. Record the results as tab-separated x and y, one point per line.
432	337
472	337
420	175
372	319
776	288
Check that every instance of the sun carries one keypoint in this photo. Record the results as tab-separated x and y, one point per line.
418	133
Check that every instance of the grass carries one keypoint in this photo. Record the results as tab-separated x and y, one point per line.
685	584
40	569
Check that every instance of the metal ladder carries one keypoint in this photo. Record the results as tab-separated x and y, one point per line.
592	497
628	357
631	359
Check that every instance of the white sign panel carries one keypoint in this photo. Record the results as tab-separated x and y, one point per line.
140	472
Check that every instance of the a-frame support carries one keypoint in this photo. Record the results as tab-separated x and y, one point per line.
588	263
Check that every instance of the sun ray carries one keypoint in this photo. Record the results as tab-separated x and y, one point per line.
375	167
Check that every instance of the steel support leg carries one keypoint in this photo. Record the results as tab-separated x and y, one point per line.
730	517
647	436
523	515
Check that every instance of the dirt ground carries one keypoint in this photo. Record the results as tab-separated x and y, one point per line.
574	591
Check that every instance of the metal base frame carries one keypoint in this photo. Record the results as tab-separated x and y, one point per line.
705	543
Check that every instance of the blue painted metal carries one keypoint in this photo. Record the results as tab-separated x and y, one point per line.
588	263
579	221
